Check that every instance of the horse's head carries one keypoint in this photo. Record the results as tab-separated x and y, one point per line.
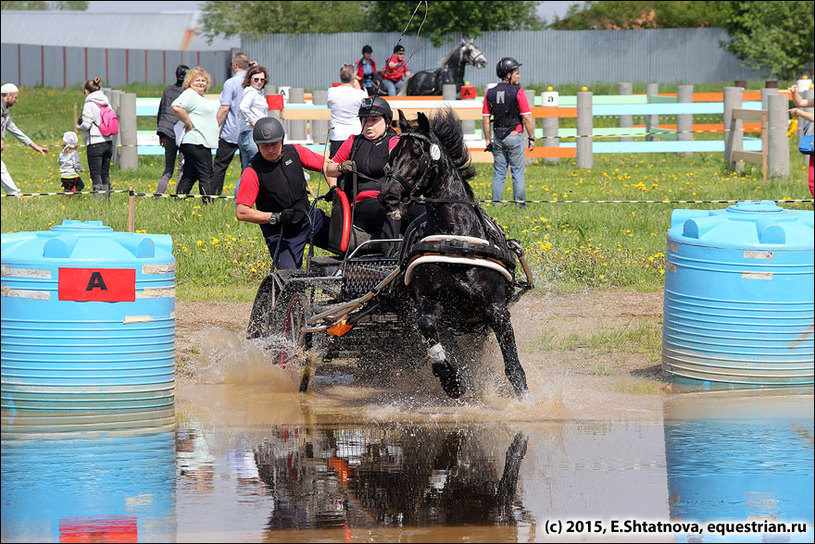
414	164
473	55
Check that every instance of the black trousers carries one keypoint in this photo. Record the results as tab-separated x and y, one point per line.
223	158
170	153
99	157
197	167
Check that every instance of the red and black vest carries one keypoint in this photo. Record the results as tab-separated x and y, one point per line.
503	102
282	185
371	158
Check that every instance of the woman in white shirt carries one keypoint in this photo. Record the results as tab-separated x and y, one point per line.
344	101
253	108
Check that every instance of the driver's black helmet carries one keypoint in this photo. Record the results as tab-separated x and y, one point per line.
505	67
375	106
267	130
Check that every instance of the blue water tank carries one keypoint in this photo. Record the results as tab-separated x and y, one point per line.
739	301
88	319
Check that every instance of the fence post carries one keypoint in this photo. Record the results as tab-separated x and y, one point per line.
585	123
733	135
778	145
551	126
651	121
626	121
684	121
128	132
131	212
115	99
530	96
296	129
319	129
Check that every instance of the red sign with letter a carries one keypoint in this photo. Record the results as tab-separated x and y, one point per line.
97	284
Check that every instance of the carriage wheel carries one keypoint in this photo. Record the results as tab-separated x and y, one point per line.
260	321
291	316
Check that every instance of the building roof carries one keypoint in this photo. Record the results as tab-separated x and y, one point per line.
161	31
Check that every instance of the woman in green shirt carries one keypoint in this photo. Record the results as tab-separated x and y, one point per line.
200	136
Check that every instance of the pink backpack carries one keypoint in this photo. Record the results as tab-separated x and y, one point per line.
110	123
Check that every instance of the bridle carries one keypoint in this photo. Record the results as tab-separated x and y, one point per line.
428	165
471	49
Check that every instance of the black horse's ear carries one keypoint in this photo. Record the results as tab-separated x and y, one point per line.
424	124
403	122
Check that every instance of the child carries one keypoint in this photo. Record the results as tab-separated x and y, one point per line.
69	166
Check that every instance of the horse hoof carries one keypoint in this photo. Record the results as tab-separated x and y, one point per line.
523	394
450	378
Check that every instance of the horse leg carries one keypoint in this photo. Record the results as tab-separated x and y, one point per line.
449	376
502	326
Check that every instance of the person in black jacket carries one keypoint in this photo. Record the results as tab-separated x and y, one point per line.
273	193
165	121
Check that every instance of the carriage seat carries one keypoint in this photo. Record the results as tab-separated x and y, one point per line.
343	236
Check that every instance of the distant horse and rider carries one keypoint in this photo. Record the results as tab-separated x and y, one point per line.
449	71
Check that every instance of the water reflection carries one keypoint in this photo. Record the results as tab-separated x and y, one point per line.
390	476
87	477
741	456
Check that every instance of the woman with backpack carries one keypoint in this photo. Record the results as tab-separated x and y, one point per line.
99	146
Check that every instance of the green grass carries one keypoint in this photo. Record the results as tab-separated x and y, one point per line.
569	246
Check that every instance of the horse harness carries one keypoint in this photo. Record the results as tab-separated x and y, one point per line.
448	248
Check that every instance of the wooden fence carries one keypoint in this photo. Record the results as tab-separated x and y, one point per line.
751	118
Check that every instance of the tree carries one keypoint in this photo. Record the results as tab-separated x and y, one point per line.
277	17
445	18
773	35
620	15
20	5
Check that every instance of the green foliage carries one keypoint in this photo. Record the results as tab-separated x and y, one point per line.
445	18
22	5
278	17
622	15
773	35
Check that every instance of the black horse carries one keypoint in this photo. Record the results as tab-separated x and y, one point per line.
450	70
464	293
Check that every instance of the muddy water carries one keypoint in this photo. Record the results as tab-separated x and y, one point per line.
386	458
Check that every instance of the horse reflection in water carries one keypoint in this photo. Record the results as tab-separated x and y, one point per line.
386	478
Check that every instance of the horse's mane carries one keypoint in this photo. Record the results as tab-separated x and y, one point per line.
450	56
446	125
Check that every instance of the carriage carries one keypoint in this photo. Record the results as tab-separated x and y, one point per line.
358	302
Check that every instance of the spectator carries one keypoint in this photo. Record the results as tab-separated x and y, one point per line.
509	108
802	102
199	116
366	68
273	193
69	165
99	148
165	121
344	102
230	121
253	108
10	93
395	71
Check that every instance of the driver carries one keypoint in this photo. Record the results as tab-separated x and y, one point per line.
273	193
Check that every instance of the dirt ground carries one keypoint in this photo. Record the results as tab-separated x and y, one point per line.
542	322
